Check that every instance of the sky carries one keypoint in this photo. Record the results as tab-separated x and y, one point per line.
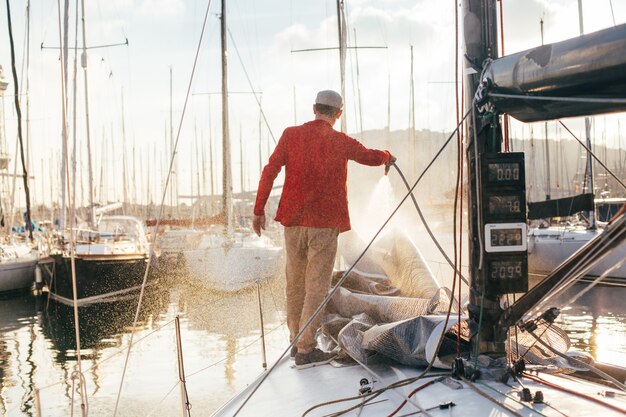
132	97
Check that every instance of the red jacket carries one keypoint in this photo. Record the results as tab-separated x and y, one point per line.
315	157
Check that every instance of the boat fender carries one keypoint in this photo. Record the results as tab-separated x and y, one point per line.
366	386
38	278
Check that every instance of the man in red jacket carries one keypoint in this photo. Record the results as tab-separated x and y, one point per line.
314	210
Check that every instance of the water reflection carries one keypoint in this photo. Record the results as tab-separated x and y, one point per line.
232	320
220	340
596	322
101	325
18	323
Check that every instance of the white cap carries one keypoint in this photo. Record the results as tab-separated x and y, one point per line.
329	98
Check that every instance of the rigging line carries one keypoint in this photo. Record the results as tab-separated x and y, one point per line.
163	195
258	101
502	404
585	264
167	394
595	282
459	147
594	156
478	182
347	272
454	265
374	394
612	12
333	48
125	43
565	99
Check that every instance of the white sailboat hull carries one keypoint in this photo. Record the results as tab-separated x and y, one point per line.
18	274
17	267
230	268
549	247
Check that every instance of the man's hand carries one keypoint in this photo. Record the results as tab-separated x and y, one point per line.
258	223
392	160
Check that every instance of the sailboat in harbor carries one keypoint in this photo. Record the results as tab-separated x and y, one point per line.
549	245
497	357
229	257
108	258
18	257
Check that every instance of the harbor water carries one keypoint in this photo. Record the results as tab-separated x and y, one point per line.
220	339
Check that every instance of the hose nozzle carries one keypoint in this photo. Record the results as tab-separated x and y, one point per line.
392	161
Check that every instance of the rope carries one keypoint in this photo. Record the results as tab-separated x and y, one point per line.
478	185
564	99
347	272
490	398
375	393
428	230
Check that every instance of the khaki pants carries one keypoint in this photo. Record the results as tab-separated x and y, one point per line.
310	259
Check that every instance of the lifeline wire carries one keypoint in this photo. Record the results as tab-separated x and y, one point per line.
345	274
167	181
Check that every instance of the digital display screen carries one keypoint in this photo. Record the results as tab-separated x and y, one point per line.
506	237
505	204
506	270
503	171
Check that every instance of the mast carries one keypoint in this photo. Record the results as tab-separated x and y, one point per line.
18	111
412	144
124	164
591	215
547	144
92	214
64	104
241	158
341	26
227	187
484	303
4	156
